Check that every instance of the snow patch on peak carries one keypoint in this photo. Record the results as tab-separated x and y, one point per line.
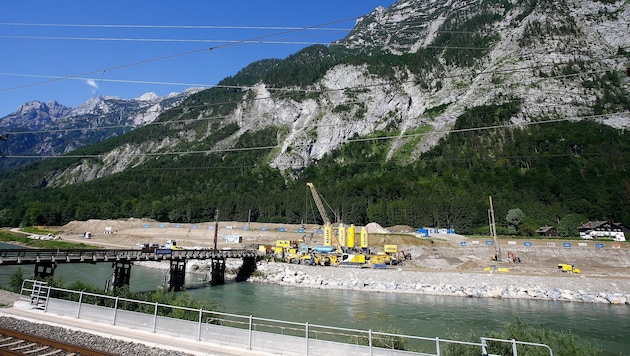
150	96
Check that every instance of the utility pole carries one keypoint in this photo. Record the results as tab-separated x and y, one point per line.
493	232
216	227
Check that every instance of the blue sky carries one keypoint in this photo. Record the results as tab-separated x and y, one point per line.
105	46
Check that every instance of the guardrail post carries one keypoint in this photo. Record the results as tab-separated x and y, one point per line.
115	311
249	341
514	351
79	307
200	323
155	317
484	348
370	340
306	329
437	346
47	299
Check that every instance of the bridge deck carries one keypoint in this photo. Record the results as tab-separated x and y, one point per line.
33	256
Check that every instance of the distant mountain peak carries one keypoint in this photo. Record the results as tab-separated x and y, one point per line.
150	96
103	111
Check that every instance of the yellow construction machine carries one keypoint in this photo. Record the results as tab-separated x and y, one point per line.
567	268
389	256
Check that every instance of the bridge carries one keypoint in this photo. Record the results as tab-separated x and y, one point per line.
46	260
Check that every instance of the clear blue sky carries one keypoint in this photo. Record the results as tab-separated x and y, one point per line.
35	48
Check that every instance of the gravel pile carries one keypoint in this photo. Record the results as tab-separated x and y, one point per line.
84	339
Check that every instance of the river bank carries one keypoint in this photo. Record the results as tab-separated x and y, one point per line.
562	287
566	287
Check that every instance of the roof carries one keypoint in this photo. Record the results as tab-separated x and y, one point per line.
545	229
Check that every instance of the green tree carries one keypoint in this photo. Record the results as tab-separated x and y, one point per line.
568	225
16	281
514	218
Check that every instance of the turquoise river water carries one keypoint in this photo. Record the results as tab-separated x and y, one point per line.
422	315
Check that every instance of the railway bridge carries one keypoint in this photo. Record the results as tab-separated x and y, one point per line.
46	260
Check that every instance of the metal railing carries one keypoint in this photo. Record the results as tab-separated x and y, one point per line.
32	256
249	332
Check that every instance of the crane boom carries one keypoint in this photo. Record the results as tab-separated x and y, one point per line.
319	204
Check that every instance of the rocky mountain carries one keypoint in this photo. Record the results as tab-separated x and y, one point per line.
408	71
50	129
420	113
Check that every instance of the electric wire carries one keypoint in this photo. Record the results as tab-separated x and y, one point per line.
319	91
272	147
248	42
175	55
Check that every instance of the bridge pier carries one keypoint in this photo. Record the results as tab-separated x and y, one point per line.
246	270
122	273
218	271
44	269
178	275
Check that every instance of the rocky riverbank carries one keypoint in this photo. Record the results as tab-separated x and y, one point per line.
559	287
564	287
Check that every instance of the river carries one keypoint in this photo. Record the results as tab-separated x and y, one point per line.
422	315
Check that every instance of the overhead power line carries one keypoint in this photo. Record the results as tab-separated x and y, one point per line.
272	147
192	27
248	41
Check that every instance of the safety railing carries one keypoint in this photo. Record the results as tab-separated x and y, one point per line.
249	332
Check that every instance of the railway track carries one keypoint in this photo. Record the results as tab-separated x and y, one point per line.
17	343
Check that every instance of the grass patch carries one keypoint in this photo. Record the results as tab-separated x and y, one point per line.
37	230
21	240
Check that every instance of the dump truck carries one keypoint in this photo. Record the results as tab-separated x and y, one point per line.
567	268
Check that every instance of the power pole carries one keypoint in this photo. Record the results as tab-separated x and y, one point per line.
216	227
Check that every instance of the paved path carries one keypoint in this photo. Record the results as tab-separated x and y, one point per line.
22	310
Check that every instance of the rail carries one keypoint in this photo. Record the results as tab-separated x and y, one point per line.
20	343
32	256
249	332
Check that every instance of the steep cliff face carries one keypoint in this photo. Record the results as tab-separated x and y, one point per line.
557	57
563	60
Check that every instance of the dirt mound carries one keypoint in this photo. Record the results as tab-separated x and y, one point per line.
401	229
99	226
375	228
468	265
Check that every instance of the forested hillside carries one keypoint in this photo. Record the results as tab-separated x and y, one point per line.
417	117
553	171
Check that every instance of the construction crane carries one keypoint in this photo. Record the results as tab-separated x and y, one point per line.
318	202
328	230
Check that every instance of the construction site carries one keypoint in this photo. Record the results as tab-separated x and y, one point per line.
371	246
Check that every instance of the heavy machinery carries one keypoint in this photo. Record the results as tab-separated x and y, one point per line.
345	251
389	256
567	268
328	231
